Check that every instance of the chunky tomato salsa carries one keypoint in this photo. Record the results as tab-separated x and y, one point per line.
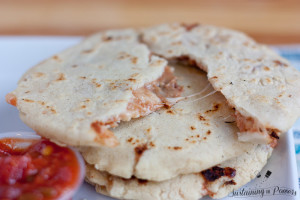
41	171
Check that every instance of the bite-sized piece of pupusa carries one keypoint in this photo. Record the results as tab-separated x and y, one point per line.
195	134
263	87
216	182
76	96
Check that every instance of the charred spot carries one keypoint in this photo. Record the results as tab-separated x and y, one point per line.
215	108
290	95
74	66
83	106
204	138
274	135
189	27
201	118
215	173
193	128
266	68
142	182
231	83
139	150
208	132
214	77
231	182
82	77
229	122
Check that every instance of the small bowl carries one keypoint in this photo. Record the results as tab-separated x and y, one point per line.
31	136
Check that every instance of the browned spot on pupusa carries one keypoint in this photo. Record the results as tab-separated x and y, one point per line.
94	81
28	100
51	109
176	43
189	27
175	148
152	144
169	111
87	51
201	118
106	38
208	132
274	135
142	182
134	60
148	130
279	63
39	74
193	128
61	77
215	173
132	80
231	182
129	139
214	109
266	68
42	103
139	150
56	58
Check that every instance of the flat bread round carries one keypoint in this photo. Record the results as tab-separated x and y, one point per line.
262	86
189	186
195	134
74	97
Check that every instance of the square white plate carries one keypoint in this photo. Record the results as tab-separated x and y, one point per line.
277	181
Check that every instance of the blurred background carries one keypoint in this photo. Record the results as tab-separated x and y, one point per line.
268	21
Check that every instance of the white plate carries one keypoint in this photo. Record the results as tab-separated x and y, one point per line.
17	54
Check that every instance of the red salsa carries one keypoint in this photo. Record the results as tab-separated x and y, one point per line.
42	171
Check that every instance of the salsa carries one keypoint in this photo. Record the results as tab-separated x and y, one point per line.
41	171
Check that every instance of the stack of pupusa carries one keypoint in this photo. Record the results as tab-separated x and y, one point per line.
194	148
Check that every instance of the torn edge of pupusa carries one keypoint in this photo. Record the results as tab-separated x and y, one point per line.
147	99
251	130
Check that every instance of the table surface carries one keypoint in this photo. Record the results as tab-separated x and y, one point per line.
268	21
